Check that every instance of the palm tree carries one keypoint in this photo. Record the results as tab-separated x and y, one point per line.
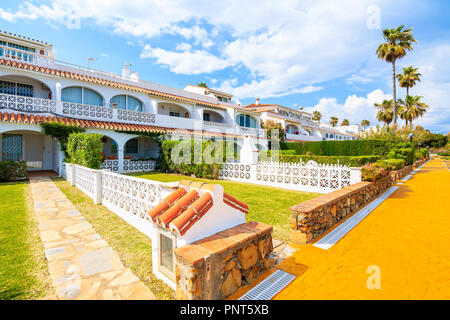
345	122
397	42
409	78
385	111
317	116
202	84
334	121
365	124
411	109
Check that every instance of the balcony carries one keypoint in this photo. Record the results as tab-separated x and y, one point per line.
108	114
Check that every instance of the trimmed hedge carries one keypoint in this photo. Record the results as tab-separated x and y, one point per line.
11	170
343	160
340	148
85	149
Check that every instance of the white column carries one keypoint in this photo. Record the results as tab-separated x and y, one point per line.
120	155
98	187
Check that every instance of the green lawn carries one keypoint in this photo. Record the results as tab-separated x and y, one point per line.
23	268
266	204
133	247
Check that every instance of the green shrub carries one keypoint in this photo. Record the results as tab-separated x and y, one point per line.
372	172
406	154
343	160
444	154
85	149
391	164
200	169
10	170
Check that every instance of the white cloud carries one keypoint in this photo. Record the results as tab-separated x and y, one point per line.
285	45
183	46
187	62
354	108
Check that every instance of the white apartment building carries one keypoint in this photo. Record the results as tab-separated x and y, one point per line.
299	126
35	87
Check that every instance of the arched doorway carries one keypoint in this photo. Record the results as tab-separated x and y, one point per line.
40	152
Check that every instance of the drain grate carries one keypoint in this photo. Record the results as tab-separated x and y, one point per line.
269	287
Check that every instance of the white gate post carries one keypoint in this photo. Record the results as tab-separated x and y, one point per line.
72	181
97	186
355	175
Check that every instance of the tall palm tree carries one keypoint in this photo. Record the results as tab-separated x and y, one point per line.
334	121
408	78
317	115
365	124
385	111
411	109
345	122
397	42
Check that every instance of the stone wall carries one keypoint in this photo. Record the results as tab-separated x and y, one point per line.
215	267
312	218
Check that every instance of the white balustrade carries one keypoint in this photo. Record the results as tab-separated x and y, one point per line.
26	104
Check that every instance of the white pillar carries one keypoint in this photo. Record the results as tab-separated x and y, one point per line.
249	151
120	156
355	175
98	187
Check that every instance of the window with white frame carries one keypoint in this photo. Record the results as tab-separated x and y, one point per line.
81	95
126	102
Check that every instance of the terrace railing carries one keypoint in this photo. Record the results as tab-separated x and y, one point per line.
26	104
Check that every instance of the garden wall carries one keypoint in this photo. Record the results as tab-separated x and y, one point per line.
217	266
312	218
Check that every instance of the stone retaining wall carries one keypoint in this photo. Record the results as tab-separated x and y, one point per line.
215	267
312	218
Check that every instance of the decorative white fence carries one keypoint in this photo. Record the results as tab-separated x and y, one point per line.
128	197
310	177
129	165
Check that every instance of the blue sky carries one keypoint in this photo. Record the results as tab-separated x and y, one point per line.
315	54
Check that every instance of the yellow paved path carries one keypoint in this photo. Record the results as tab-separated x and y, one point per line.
407	237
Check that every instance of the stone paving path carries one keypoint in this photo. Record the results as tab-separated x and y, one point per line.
404	243
81	264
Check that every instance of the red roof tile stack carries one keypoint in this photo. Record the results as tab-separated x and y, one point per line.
181	209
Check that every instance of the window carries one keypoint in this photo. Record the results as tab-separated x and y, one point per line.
81	95
126	102
206	117
166	253
174	114
12	147
20	89
244	120
132	146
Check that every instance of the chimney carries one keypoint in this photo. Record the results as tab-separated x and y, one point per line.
257	100
125	70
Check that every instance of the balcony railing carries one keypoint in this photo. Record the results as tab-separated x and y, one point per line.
25	56
26	104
